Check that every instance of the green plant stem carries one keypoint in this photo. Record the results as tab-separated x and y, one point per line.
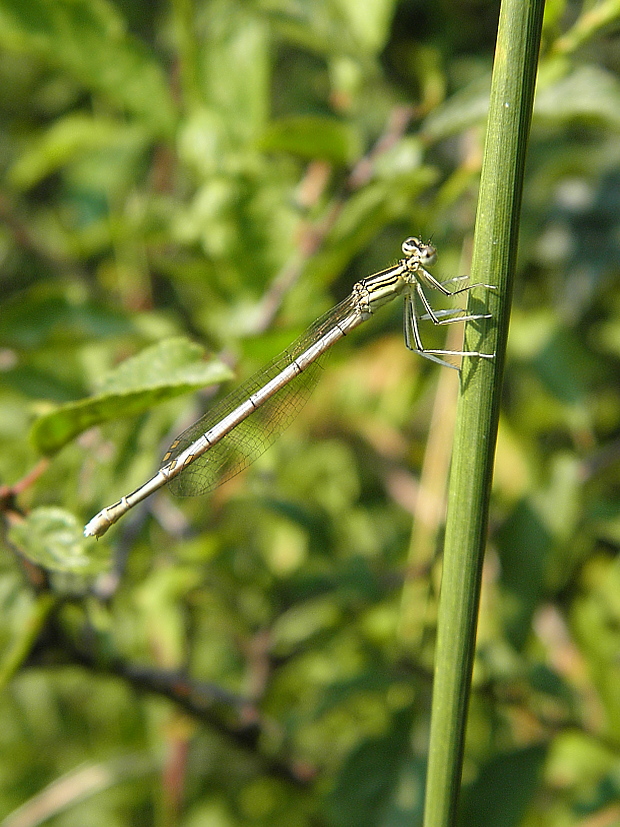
494	255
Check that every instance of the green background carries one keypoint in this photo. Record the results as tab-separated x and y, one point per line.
185	187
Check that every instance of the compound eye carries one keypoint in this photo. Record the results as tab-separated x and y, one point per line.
428	254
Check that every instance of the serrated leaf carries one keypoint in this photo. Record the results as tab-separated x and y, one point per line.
87	38
160	372
53	538
313	137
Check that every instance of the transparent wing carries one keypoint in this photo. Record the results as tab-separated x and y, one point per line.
253	436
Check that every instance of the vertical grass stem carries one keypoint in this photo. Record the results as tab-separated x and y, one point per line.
494	255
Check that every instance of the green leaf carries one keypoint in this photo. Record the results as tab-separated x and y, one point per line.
462	110
587	93
24	614
523	575
87	39
69	138
48	314
313	137
505	787
53	538
161	372
237	68
369	21
564	366
363	215
366	783
302	622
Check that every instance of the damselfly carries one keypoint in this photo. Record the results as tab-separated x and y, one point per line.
237	430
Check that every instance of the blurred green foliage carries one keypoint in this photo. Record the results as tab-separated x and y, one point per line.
220	172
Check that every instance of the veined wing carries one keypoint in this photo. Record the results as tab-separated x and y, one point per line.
253	436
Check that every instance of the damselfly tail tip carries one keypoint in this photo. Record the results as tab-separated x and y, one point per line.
90	530
96	527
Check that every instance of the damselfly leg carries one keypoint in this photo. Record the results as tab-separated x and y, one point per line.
413	339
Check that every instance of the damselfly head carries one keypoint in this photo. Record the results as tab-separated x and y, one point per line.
419	252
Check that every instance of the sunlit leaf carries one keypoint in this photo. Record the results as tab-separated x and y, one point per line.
161	372
462	110
370	21
53	538
587	93
303	621
236	68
